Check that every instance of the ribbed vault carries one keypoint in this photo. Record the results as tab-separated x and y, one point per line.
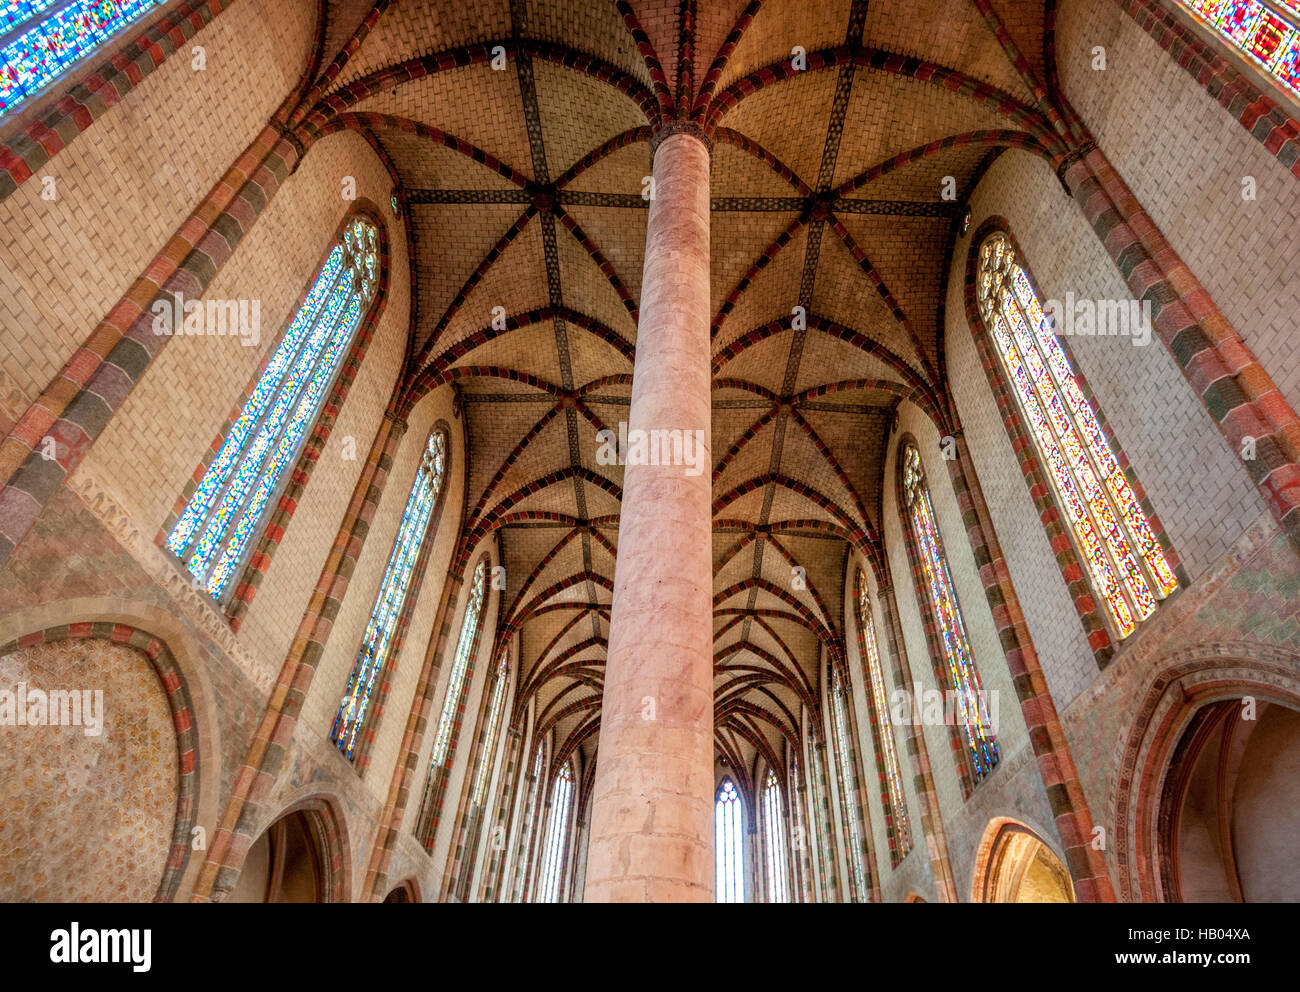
518	135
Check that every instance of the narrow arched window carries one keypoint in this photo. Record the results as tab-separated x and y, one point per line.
557	834
1116	542
460	668
41	39
491	732
848	789
1268	33
444	739
981	743
527	837
728	845
897	824
774	846
213	535
377	642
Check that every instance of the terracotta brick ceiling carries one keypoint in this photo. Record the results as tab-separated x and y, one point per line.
522	185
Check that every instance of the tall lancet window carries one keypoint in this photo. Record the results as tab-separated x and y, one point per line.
1123	557
1267	32
377	641
950	629
213	535
774	846
496	710
41	39
882	731
459	667
728	845
443	752
557	834
848	789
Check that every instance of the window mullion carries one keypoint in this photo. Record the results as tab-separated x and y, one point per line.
256	431
1128	573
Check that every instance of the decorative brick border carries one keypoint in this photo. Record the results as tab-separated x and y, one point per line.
1239	394
75	408
370	729
1041	491
277	519
271	741
178	701
1050	745
988	855
330	835
1260	113
99	90
491	889
1186	682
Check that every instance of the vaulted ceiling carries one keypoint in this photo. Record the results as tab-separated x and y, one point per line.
518	134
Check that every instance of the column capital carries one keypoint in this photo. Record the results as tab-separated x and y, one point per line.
669	128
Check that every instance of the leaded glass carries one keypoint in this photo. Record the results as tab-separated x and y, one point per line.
496	709
774	848
1123	557
213	535
557	830
1267	34
845	758
41	39
391	601
981	742
728	845
896	803
460	665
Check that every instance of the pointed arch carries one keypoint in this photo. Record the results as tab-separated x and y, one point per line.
728	844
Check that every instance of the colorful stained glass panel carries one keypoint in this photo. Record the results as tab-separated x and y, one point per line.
41	39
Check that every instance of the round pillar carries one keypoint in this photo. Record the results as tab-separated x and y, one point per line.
652	805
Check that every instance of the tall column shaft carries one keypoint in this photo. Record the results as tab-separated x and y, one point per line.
652	813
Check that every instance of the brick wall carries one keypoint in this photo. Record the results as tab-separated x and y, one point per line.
150	450
1014	788
1185	156
913	873
1196	485
341	650
124	186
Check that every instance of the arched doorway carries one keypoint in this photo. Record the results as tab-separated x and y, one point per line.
406	892
1230	807
293	861
1014	864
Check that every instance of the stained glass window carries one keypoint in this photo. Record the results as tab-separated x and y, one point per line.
378	638
950	628
899	828
213	536
1267	32
460	665
526	835
1124	560
557	832
496	710
728	845
774	849
839	717
41	39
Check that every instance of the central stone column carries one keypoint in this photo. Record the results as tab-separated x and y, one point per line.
652	813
